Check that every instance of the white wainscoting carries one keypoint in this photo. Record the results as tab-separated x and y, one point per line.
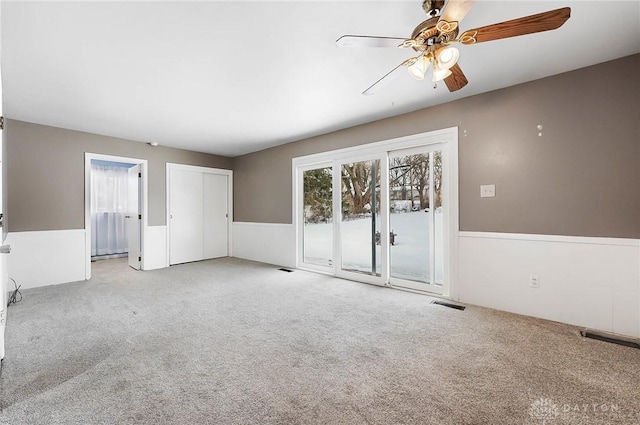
58	256
589	282
47	257
265	242
155	248
584	281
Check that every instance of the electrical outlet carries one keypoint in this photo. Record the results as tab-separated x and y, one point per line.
534	281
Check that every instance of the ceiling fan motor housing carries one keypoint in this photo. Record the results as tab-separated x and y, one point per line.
426	34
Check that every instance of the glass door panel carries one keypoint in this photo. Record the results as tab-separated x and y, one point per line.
360	217
415	219
317	240
438	219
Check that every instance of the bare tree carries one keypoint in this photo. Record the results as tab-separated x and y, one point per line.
356	187
437	178
420	174
409	177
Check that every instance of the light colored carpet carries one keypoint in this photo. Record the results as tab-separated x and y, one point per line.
236	342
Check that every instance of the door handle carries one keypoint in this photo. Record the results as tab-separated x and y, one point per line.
5	249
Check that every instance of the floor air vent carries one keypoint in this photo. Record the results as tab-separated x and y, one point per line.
446	304
286	270
614	339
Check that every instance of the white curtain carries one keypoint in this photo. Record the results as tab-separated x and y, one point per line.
108	209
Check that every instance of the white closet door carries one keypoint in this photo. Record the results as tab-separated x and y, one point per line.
186	215
216	210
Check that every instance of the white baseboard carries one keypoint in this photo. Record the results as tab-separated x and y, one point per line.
47	257
590	282
265	242
155	248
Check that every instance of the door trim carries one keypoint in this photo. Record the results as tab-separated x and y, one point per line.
88	156
220	171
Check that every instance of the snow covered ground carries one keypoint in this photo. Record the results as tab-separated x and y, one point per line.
409	255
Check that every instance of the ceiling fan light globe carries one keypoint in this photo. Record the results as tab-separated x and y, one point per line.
440	74
447	57
418	68
415	72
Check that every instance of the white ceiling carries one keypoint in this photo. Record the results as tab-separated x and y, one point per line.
232	77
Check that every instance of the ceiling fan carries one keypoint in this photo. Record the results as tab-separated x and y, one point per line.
433	39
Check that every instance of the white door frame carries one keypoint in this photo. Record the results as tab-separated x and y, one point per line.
448	136
220	171
88	156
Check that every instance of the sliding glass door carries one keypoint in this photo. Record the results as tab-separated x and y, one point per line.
416	218
360	217
379	216
317	213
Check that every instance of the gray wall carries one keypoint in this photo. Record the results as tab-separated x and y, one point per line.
45	167
581	178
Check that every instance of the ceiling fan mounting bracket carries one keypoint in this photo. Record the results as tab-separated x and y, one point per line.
433	8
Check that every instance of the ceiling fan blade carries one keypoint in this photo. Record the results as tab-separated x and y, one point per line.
388	77
526	25
455	10
456	80
368	41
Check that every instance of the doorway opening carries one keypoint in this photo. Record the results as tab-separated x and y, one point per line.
115	211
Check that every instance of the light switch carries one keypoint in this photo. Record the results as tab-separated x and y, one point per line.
487	190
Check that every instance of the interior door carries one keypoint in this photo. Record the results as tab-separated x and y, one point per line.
186	225
215	215
134	215
4	275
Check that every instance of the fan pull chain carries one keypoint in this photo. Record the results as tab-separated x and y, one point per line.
433	72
